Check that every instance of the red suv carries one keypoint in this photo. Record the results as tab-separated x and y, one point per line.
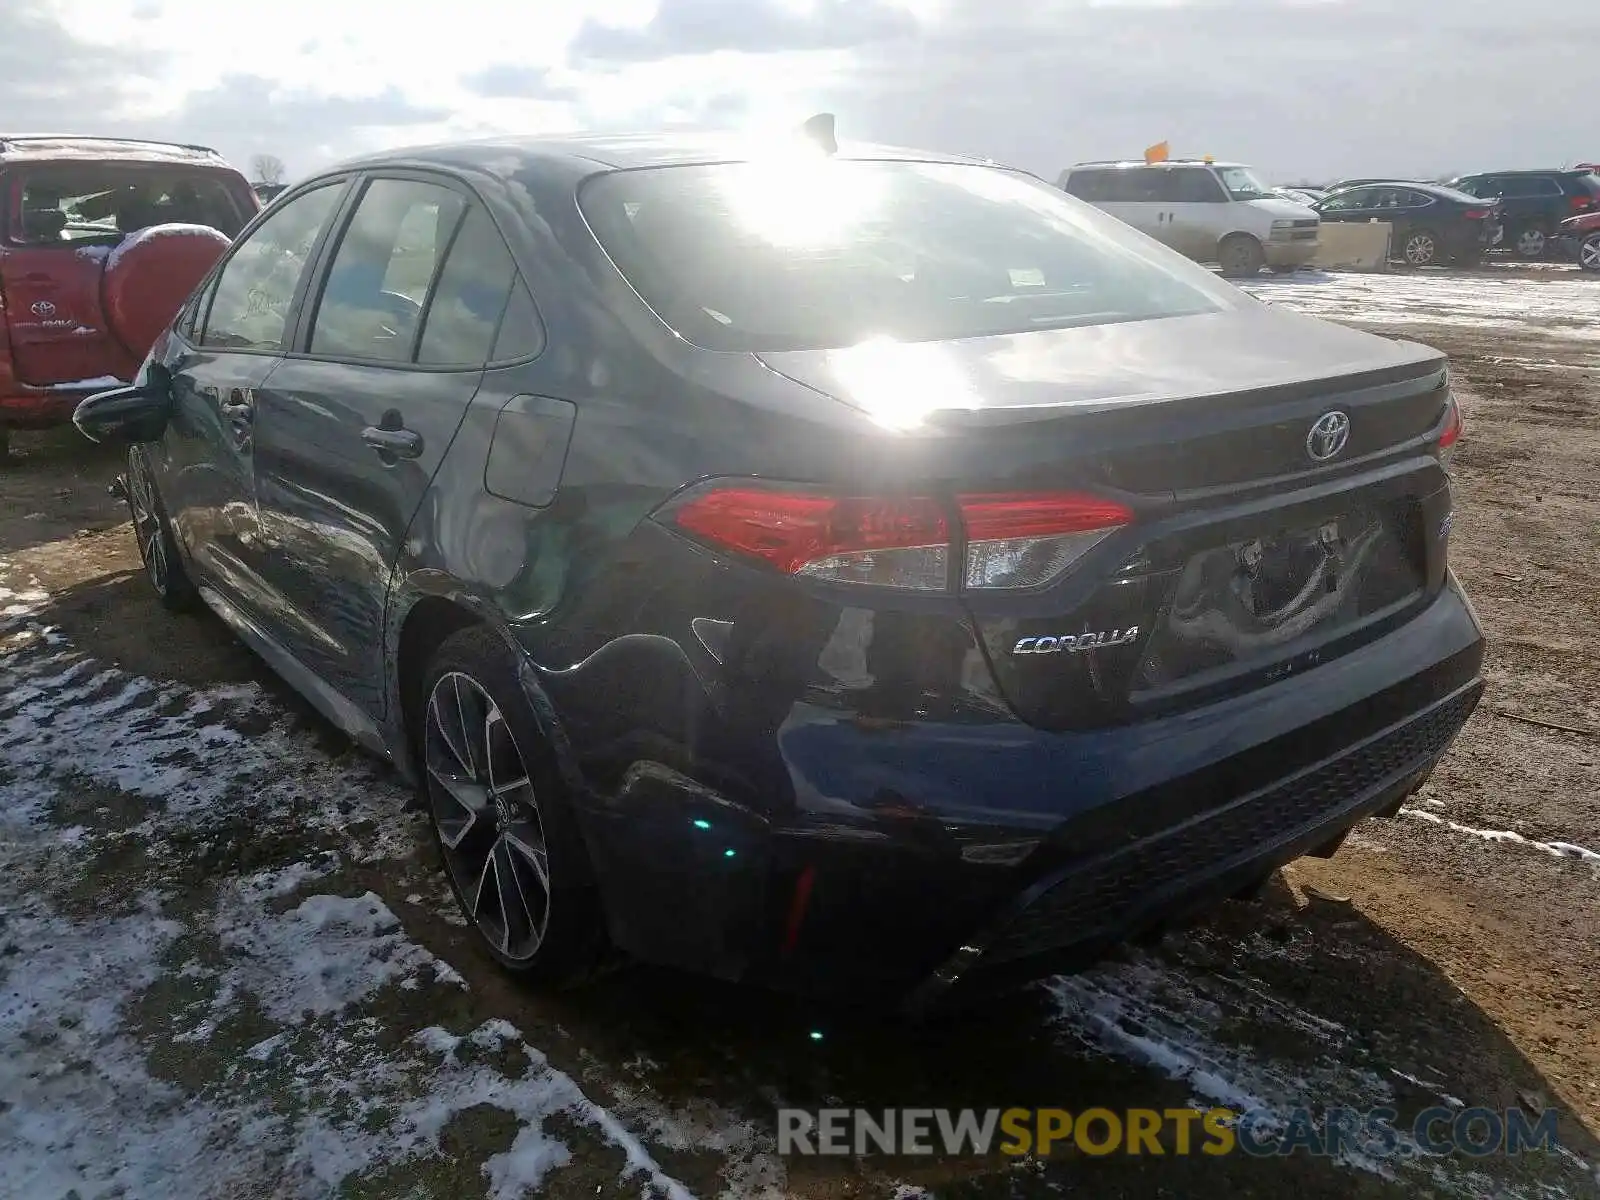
1581	235
101	240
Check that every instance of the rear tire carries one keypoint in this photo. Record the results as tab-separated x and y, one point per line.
158	548
1240	255
1589	252
511	850
1419	248
1529	242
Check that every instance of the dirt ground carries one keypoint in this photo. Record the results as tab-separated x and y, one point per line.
228	965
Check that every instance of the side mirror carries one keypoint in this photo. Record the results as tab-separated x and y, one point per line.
136	413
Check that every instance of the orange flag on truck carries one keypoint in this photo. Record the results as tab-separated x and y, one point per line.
1156	153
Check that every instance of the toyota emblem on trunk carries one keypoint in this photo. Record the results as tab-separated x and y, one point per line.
43	308
1328	435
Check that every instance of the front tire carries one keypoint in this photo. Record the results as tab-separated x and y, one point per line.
512	854
1589	252
158	548
1241	255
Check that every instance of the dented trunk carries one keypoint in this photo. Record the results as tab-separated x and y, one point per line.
1289	504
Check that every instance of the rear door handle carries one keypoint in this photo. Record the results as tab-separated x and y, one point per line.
398	443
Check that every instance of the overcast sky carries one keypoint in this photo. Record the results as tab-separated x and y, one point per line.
1301	88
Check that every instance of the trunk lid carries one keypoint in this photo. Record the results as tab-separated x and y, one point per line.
1251	557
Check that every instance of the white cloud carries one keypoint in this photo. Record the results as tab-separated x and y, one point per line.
1316	88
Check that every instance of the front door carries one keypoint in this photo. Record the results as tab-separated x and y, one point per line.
206	465
349	435
1353	205
1197	209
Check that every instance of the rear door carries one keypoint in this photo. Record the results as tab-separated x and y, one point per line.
229	340
1127	193
350	429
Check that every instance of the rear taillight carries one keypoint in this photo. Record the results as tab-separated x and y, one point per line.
1477	214
1451	434
1582	203
907	542
1023	541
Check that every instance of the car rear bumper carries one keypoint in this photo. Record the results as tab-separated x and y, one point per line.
913	861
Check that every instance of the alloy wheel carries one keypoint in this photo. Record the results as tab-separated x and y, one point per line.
147	525
1589	254
1420	249
1530	243
482	801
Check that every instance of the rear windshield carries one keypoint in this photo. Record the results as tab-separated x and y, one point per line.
103	202
815	253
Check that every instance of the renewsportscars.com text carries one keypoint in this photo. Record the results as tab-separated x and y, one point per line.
1376	1132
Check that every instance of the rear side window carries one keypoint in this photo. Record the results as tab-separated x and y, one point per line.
521	333
464	312
253	294
1088	185
371	305
90	203
815	253
1526	186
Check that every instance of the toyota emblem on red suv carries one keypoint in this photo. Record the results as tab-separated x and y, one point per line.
43	308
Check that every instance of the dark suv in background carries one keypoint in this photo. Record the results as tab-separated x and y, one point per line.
1533	204
848	569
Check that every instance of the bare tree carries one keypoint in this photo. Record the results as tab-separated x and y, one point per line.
267	168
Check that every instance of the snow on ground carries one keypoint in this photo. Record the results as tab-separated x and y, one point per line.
1558	305
223	1031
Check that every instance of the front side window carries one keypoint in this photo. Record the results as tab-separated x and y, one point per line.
1346	201
816	253
1242	184
371	305
253	294
101	203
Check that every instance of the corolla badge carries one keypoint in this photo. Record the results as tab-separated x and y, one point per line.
1328	436
1076	643
43	308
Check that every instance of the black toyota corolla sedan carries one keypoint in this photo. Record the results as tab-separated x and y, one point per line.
840	568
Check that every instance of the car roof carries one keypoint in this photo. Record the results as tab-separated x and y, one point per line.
505	156
1526	171
1123	163
1435	189
55	147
